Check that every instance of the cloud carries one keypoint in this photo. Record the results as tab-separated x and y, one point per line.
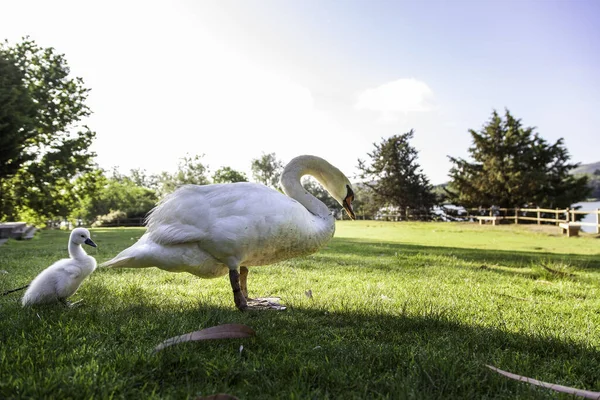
397	97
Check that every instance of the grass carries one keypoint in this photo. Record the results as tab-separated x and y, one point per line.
398	310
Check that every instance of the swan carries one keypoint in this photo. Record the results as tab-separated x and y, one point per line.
62	279
219	229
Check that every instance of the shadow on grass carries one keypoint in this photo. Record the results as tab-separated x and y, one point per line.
302	352
510	258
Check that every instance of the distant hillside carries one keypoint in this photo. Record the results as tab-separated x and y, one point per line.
586	168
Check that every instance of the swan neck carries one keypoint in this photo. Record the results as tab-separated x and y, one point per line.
290	182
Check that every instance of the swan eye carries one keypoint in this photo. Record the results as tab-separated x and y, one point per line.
82	235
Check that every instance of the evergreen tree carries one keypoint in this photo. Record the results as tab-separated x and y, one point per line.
396	178
512	167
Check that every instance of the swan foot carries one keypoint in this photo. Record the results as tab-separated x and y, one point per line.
265	303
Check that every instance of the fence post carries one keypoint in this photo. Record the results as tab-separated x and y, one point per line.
597	220
568	211
516	215
538	216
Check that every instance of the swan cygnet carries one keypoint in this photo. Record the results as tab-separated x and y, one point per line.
62	279
219	229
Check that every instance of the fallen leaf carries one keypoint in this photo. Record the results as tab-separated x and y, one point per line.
308	293
225	331
556	272
558	388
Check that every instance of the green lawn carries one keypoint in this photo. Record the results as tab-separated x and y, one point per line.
398	310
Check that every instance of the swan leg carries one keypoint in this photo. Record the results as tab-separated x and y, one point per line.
244	281
255	304
238	296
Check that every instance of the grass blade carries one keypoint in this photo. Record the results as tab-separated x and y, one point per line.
558	388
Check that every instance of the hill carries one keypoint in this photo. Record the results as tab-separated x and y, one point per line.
587	168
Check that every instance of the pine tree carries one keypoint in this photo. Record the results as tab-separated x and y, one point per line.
396	178
512	167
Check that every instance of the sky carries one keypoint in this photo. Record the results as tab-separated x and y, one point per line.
235	79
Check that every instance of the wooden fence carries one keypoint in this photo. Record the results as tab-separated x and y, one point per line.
539	215
516	215
123	222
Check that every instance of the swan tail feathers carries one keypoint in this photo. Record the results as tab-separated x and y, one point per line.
119	262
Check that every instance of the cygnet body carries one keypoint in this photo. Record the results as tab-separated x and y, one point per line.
62	279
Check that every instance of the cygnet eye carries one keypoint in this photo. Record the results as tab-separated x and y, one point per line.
82	235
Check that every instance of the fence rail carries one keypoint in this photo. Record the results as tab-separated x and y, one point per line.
565	215
540	215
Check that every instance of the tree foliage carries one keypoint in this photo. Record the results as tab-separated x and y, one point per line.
512	167
51	142
266	170
99	195
395	177
17	111
228	175
190	171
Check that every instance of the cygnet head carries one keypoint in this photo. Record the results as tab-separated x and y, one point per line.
82	236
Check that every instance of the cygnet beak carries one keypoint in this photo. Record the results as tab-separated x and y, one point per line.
90	242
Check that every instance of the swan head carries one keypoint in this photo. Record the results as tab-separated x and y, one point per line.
345	196
82	236
340	188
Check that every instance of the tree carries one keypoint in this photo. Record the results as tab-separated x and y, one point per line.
190	171
99	195
364	203
17	111
395	176
228	175
267	169
56	147
512	167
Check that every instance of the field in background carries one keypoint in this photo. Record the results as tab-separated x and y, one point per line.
398	310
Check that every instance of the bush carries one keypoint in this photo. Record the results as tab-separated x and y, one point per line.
109	219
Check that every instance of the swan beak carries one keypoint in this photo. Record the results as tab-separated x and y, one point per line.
90	242
347	203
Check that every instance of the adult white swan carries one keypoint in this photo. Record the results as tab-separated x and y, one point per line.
212	230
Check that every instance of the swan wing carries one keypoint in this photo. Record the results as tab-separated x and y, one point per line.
213	212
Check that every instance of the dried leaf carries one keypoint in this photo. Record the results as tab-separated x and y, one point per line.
558	388
225	331
556	272
308	293
218	396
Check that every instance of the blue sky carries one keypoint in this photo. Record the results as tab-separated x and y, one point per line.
231	79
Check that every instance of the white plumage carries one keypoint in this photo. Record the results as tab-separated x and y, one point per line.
211	230
62	279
